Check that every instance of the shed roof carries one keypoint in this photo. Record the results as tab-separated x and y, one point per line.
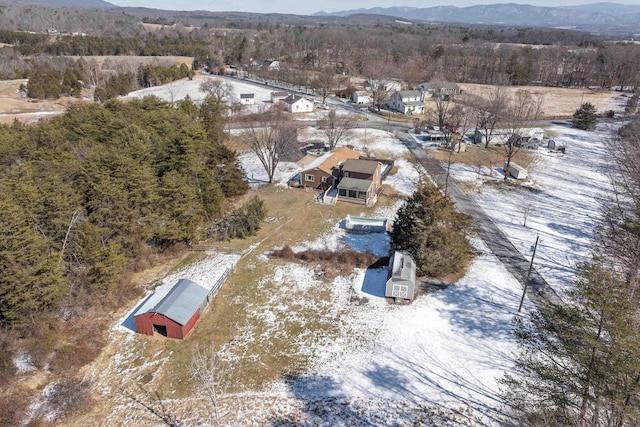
404	266
360	166
177	301
355	184
280	94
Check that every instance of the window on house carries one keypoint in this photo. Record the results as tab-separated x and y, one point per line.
325	179
309	178
346	174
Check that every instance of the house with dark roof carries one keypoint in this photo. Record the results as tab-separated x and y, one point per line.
173	309
360	181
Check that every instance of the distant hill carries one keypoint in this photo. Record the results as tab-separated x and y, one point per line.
79	4
593	17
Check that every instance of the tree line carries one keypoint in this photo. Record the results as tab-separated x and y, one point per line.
414	54
87	193
52	79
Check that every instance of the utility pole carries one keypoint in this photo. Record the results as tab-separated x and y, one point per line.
526	283
366	117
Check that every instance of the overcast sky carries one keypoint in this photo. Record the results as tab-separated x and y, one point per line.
307	7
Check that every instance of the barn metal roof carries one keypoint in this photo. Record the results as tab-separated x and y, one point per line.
177	301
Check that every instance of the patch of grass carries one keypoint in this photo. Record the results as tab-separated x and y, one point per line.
265	349
477	156
187	260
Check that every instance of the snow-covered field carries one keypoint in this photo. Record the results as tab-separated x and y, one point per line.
450	347
561	201
391	365
179	90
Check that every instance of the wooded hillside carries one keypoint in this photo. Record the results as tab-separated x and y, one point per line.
85	194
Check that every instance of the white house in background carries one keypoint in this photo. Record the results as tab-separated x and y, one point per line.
389	85
439	89
297	104
407	102
266	64
361	97
247	99
277	97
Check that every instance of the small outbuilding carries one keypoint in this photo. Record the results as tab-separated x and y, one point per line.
247	99
173	309
358	224
401	278
277	97
516	171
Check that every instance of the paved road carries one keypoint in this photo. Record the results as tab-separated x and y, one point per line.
538	290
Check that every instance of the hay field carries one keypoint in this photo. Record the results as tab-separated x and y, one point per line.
560	102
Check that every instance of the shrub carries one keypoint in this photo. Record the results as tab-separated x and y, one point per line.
585	117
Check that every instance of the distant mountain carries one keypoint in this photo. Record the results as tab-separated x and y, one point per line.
78	4
593	17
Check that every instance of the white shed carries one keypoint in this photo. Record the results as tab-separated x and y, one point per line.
516	171
247	99
401	282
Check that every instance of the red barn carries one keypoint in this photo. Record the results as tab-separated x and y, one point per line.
172	310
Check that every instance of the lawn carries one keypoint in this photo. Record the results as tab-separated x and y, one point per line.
296	344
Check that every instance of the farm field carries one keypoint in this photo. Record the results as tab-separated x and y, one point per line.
301	343
13	105
560	102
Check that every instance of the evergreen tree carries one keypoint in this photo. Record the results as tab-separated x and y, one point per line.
428	226
585	117
580	362
32	275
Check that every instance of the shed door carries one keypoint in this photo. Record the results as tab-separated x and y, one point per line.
400	291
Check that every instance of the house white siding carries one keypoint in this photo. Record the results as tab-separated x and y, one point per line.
361	98
297	104
407	102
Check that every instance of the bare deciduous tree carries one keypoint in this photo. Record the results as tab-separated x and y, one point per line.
206	372
217	88
380	93
520	109
336	127
325	83
527	209
271	136
152	403
489	112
